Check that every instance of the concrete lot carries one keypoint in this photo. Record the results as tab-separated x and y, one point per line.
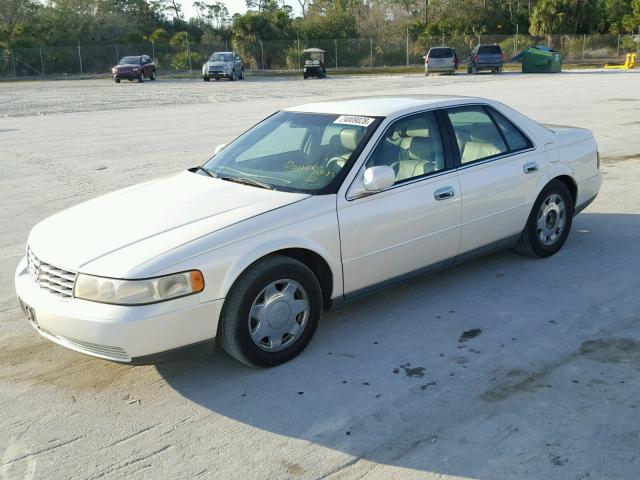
548	389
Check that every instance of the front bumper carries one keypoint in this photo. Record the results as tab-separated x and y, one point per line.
127	75
125	334
218	74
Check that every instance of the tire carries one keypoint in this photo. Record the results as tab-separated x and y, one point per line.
237	321
117	80
232	77
241	77
426	73
452	72
474	70
531	241
499	70
153	76
305	76
217	78
141	78
206	79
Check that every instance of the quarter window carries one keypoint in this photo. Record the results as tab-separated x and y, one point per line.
476	134
514	137
412	147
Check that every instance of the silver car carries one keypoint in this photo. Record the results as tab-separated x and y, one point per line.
441	59
223	65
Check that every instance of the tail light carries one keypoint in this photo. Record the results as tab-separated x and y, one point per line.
502	57
476	58
426	60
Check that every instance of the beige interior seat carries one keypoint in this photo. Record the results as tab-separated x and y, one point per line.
480	144
349	139
418	153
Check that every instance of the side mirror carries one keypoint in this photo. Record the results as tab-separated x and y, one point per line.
376	179
219	148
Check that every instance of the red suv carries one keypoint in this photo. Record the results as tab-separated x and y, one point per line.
134	68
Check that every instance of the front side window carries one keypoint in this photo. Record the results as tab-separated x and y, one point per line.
476	134
294	151
412	147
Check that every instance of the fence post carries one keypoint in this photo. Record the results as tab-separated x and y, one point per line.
515	42
638	43
261	56
153	51
13	61
80	57
335	46
189	55
117	55
298	52
584	40
371	51
618	49
407	46
42	63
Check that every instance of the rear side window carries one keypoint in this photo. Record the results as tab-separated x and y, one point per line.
490	50
476	134
440	53
514	137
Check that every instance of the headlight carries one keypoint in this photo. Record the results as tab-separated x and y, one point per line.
138	292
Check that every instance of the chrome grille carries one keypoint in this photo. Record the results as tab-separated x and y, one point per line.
57	280
116	354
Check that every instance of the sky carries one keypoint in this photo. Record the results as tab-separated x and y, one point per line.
234	6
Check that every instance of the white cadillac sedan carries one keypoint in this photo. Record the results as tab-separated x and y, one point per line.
314	205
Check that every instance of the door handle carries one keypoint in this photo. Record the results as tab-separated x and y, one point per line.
530	167
444	193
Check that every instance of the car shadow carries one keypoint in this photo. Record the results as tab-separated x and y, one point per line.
462	372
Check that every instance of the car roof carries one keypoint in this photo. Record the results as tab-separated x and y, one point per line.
383	106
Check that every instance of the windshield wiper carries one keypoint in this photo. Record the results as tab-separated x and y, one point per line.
202	169
247	181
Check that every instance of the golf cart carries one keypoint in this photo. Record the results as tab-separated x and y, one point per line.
314	63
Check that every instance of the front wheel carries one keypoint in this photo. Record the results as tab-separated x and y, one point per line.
549	222
232	77
117	80
241	77
141	78
153	76
271	313
206	79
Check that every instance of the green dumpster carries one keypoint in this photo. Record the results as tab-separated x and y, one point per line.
539	59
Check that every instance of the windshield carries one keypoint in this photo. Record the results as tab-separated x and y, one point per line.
291	151
221	57
129	60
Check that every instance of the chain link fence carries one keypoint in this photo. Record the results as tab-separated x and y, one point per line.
351	53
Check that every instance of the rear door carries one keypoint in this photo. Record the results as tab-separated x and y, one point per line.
489	55
440	58
499	173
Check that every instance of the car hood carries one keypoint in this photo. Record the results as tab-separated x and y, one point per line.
219	64
112	234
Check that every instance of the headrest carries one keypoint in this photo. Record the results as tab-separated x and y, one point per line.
483	132
417	128
419	148
350	137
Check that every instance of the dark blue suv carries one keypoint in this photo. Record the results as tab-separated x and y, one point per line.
485	57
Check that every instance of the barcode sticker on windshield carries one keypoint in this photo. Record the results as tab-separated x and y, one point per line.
354	120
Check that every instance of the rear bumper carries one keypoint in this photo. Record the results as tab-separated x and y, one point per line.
440	68
124	334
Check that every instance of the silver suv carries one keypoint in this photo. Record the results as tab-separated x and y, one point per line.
223	65
441	59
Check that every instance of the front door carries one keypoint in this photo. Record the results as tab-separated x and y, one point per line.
412	225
